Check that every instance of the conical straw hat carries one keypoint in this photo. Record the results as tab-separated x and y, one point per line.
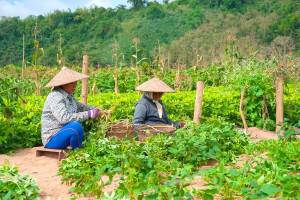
66	76
154	85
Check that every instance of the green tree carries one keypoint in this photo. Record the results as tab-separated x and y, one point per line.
136	4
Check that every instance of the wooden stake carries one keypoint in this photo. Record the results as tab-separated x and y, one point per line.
242	108
279	104
198	102
84	91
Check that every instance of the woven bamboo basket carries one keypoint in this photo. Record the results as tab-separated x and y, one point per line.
146	130
124	129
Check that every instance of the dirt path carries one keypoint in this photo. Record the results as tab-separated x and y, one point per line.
257	134
44	169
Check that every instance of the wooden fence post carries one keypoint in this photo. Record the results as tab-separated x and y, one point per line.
279	104
198	102
84	91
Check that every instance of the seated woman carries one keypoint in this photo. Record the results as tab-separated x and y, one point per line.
150	109
62	114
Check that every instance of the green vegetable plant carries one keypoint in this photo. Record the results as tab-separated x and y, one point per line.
161	167
14	186
272	171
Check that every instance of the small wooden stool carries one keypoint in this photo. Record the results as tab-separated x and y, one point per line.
56	153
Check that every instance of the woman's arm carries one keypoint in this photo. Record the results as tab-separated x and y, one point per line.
139	114
60	112
83	107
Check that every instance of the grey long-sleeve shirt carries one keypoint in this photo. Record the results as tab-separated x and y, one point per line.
146	113
59	109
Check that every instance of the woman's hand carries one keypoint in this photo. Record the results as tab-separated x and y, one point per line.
181	124
93	113
178	125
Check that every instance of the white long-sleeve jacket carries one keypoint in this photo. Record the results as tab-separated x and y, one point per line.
59	109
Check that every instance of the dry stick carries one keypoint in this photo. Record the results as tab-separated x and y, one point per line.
84	91
115	75
279	105
265	112
242	108
94	87
23	58
198	102
37	83
178	79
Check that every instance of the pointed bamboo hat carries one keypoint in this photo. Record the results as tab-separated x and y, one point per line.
154	85
66	76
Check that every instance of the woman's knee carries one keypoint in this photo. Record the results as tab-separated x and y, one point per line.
75	141
77	125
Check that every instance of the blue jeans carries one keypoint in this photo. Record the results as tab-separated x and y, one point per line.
70	135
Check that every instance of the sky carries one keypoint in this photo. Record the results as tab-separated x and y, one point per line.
23	8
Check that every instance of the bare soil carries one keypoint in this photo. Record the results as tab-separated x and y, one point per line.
42	169
257	134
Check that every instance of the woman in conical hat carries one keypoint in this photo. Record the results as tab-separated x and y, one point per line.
150	109
62	113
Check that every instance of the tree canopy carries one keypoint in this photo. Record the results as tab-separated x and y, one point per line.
185	32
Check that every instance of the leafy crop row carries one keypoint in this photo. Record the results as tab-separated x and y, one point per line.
252	73
159	168
20	117
20	124
16	186
271	171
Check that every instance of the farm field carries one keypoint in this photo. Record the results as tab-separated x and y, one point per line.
150	100
164	167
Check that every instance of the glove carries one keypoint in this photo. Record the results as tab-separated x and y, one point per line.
93	113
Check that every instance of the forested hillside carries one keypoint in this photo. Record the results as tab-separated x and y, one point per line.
181	32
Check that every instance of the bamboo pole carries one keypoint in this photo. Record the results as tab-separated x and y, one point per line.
279	105
198	102
242	108
84	91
